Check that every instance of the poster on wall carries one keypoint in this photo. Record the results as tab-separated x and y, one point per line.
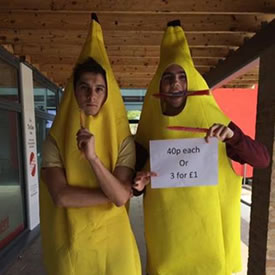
30	154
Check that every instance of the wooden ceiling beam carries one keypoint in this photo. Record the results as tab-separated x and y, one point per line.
245	56
142	81
136	69
116	68
117	51
244	6
62	37
133	74
124	22
146	61
123	84
130	80
132	84
139	73
118	60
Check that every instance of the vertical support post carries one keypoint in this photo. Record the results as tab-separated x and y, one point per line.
262	223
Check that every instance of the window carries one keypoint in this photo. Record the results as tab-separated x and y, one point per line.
42	129
44	99
133	117
133	100
11	191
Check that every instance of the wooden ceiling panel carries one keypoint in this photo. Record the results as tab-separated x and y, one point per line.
50	33
138	51
146	6
117	38
215	23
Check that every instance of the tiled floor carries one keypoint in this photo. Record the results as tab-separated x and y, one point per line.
30	263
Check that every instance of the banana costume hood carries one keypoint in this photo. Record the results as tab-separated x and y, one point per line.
190	230
92	240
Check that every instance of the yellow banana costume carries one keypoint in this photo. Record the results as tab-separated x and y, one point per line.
94	240
191	230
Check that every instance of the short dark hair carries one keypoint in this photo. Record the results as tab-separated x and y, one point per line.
90	66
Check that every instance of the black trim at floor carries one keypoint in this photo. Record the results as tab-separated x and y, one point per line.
9	254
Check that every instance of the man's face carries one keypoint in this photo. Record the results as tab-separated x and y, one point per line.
90	92
173	81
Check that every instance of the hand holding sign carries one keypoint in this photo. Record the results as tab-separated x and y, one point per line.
219	131
184	162
142	179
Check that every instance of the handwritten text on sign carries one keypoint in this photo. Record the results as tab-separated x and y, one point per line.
184	162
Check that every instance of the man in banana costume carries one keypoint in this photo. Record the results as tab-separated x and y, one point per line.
87	169
191	230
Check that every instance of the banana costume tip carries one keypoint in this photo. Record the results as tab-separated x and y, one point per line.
174	23
94	17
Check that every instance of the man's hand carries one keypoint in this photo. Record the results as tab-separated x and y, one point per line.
86	143
142	179
219	131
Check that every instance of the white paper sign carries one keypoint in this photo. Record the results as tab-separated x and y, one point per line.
184	162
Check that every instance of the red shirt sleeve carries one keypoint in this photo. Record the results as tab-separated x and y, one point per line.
244	149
